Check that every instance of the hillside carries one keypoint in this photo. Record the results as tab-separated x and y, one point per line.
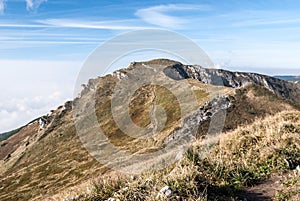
47	157
254	162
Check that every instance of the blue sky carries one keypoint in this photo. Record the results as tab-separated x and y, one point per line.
43	43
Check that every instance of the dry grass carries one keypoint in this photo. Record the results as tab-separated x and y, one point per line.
47	166
218	168
252	153
141	104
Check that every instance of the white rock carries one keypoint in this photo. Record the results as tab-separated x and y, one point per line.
71	198
298	169
119	75
165	192
112	199
42	124
116	194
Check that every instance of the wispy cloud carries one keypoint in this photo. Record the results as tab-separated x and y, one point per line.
12	25
17	44
260	22
130	24
159	15
33	5
263	18
2	6
111	24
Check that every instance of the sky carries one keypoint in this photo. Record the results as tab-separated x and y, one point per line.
44	43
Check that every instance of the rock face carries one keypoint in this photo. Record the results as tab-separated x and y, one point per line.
43	122
284	89
213	108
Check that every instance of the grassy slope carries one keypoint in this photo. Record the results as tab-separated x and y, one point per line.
59	161
236	160
9	145
49	165
139	110
251	103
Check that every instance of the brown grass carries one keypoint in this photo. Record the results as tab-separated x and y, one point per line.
219	167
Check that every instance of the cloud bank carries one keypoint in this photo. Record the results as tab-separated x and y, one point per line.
30	89
17	112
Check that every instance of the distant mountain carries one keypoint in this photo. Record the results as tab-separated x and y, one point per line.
4	136
290	78
46	157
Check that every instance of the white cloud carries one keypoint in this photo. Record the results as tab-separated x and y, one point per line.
17	112
111	24
2	6
262	22
12	25
264	58
32	88
129	24
157	15
33	5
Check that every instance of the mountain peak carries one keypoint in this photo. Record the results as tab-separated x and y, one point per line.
159	61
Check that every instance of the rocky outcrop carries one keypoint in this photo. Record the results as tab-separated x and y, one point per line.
178	71
213	108
44	121
164	193
284	89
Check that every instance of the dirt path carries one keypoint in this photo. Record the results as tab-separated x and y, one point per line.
264	190
153	117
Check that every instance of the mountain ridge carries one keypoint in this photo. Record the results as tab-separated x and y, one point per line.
212	76
52	144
